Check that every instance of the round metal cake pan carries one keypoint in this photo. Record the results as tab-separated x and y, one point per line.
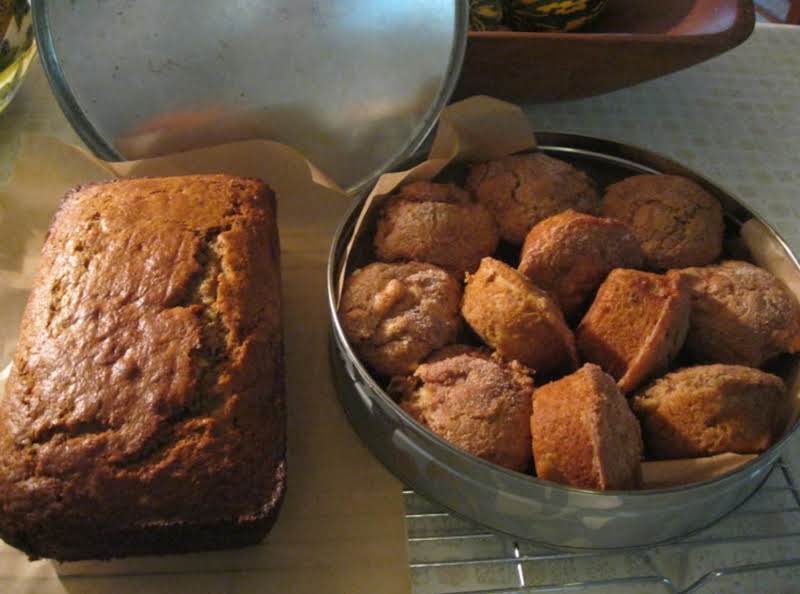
518	504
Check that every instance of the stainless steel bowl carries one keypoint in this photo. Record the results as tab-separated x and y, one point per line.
511	502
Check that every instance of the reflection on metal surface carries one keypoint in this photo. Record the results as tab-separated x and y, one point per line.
353	84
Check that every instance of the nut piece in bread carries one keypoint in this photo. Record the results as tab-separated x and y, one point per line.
635	326
741	314
145	411
677	222
436	223
584	433
518	319
395	315
710	409
522	190
571	253
476	401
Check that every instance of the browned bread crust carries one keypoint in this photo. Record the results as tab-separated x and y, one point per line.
436	223
476	401
710	409
635	326
395	315
677	222
522	190
584	433
741	314
571	253
518	319
145	410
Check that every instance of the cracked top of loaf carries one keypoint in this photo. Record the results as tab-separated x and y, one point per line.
147	385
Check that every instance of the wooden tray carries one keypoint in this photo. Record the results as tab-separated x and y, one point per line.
632	41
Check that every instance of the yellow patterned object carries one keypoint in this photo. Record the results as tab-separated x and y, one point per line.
552	15
16	46
485	15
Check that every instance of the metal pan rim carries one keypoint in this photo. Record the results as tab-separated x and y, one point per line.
61	88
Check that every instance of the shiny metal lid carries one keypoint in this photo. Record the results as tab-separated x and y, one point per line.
355	85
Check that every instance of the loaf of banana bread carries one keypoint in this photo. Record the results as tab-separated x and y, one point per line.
145	411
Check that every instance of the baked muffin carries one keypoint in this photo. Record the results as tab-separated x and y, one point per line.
436	223
476	401
584	433
710	409
677	222
395	315
522	190
636	325
741	314
518	319
571	253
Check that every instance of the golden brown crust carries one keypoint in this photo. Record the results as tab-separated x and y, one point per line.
584	433
150	351
522	190
476	401
435	223
635	326
741	314
677	222
517	319
395	315
710	409
571	253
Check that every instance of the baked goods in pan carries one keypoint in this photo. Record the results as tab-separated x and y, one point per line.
436	223
395	315
518	319
522	190
584	433
475	400
710	409
145	409
677	222
615	269
741	314
635	326
571	253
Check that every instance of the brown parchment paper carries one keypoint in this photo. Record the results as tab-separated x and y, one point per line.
341	528
482	128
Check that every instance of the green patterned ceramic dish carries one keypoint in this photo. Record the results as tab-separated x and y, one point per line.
17	47
485	15
552	15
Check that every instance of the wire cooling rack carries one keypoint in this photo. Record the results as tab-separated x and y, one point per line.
756	548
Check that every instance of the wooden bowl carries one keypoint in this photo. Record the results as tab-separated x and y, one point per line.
631	42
